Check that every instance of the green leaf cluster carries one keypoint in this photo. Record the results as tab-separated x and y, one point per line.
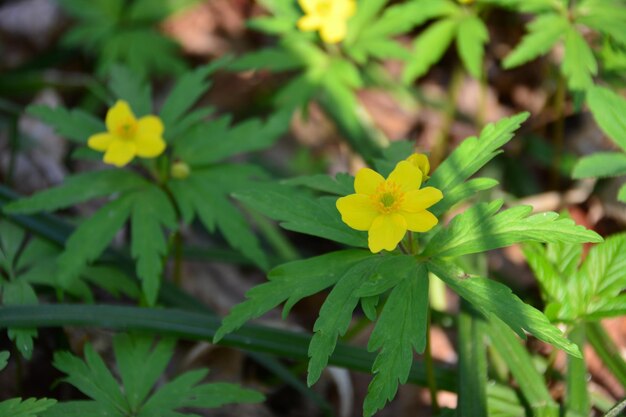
392	288
122	32
140	363
161	202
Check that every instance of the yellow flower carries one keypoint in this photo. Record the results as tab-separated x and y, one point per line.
330	17
387	208
127	137
421	162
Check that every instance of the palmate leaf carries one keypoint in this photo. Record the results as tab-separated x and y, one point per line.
474	153
77	189
543	33
342	184
19	292
92	237
472	35
299	211
80	409
482	228
151	209
462	192
605	16
290	283
400	330
429	47
492	298
601	164
31	407
75	125
608	109
579	64
126	85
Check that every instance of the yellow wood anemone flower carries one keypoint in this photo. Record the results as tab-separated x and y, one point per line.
420	161
330	17
127	137
387	208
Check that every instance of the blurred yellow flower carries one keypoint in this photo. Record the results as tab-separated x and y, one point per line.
127	137
421	162
329	17
387	208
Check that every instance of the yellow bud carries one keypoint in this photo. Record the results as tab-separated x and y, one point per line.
180	170
420	161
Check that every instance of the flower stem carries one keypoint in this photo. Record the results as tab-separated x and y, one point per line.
430	370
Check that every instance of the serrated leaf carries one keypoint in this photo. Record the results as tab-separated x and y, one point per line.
92	378
605	16
112	280
461	193
492	298
92	237
474	153
187	90
140	366
482	228
608	109
81	409
273	59
604	271
300	212
429	47
19	292
31	407
290	283
342	184
127	86
401	328
543	33
601	164
151	209
335	316
11	240
75	125
579	65
77	189
472	35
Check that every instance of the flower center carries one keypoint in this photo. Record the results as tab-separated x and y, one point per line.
388	197
127	129
324	8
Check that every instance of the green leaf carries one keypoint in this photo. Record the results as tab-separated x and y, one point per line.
608	109
472	364
301	212
31	407
4	358
461	193
112	280
601	164
290	283
472	35
494	299
577	396
92	237
127	86
273	59
11	240
187	90
579	65
342	184
482	228
474	153
81	409
401	328
543	33
151	209
76	189
335	316
92	378
19	292
621	195
140	366
429	47
603	274
75	125
520	363
605	16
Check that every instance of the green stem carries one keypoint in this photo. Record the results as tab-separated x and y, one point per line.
430	370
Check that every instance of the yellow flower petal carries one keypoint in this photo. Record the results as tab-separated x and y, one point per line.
120	153
386	232
118	116
308	5
367	180
418	200
148	137
100	141
421	221
345	8
420	161
309	23
407	176
357	211
333	30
